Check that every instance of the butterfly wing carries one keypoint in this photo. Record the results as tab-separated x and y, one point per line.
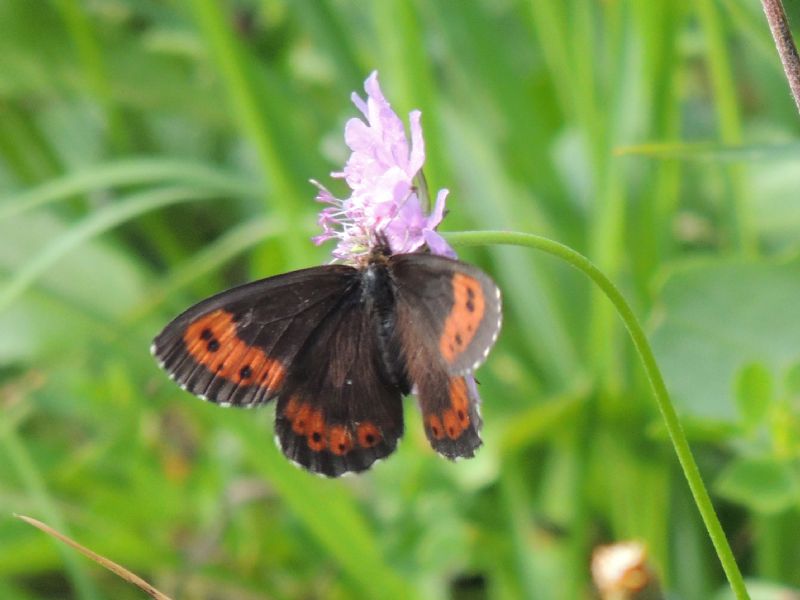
450	413
448	318
340	412
453	307
309	338
237	348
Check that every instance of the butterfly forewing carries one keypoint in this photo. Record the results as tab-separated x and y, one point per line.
453	307
238	347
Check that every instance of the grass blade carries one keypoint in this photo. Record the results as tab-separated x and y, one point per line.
118	570
136	171
95	224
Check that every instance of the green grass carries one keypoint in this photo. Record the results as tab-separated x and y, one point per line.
152	153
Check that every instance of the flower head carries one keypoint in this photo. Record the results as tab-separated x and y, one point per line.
384	174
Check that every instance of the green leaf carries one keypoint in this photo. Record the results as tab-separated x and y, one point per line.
764	485
754	393
717	317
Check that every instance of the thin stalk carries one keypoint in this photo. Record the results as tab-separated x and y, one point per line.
679	442
782	34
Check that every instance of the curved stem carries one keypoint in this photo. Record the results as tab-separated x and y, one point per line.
676	434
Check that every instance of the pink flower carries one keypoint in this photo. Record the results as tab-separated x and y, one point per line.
384	174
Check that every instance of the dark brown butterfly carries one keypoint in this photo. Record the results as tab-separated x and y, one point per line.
339	347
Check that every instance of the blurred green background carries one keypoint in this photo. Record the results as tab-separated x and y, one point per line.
153	152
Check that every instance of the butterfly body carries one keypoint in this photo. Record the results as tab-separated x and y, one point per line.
339	346
378	293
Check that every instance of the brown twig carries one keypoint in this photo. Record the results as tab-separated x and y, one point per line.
779	25
101	560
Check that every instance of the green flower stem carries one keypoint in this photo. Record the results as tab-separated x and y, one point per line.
676	434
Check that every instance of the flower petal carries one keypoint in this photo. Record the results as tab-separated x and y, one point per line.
381	172
417	158
437	244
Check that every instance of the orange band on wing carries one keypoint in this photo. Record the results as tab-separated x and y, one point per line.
368	435
465	316
452	425
453	421
310	423
457	393
292	408
435	425
302	419
340	440
212	341
315	433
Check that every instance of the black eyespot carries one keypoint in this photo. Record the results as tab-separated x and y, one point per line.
470	305
206	334
459	341
213	345
316	436
369	438
245	372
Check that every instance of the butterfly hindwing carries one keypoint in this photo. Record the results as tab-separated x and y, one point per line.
450	414
238	347
339	413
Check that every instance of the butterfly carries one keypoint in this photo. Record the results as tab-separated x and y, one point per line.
339	346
